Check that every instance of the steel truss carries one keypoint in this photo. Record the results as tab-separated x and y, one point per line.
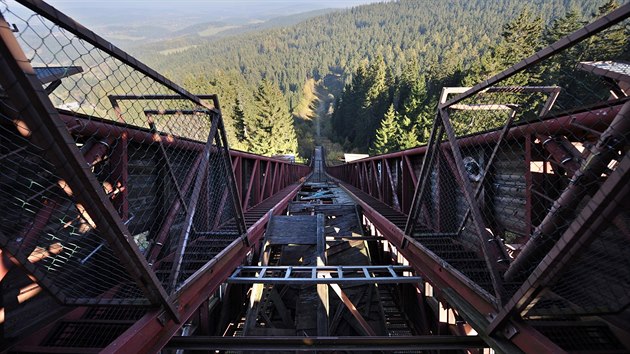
383	184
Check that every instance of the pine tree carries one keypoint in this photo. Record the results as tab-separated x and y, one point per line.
611	42
375	101
560	69
270	130
521	38
238	117
407	134
387	134
563	26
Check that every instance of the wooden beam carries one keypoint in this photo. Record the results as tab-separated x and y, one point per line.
276	299
367	329
323	306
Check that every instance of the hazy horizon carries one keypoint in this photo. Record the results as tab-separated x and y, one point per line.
98	13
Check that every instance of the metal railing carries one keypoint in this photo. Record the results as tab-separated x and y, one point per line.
530	166
118	184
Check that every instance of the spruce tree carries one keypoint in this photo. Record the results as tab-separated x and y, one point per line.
375	101
521	38
386	139
611	42
270	130
238	116
560	69
407	134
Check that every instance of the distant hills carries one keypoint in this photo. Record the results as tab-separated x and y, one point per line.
149	38
437	32
311	56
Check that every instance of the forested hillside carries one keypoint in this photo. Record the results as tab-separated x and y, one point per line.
391	54
384	112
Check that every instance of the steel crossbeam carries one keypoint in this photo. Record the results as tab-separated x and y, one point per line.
374	343
308	275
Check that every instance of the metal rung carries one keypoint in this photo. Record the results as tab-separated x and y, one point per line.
309	275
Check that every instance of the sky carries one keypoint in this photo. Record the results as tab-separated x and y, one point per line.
93	12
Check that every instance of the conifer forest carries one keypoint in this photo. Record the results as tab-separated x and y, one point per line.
367	79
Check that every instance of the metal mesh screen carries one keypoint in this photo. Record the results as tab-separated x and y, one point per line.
516	163
596	283
154	160
521	191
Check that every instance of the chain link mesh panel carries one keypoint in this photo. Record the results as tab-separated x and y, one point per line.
508	185
534	156
145	141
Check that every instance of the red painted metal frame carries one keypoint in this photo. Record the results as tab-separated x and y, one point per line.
266	177
215	272
188	298
36	110
153	331
609	200
430	266
288	172
356	173
442	276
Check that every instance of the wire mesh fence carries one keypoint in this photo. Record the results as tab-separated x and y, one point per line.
531	158
511	176
125	195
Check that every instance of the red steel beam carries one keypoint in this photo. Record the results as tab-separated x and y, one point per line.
598	117
389	185
443	276
490	255
119	176
275	177
607	202
91	126
153	330
172	213
190	210
252	179
376	180
237	168
24	89
261	195
529	183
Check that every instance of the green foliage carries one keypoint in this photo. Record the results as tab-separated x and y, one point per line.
387	133
521	38
270	129
239	119
412	99
610	42
395	133
398	53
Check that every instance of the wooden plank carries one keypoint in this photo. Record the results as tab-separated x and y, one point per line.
280	307
295	229
323	306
